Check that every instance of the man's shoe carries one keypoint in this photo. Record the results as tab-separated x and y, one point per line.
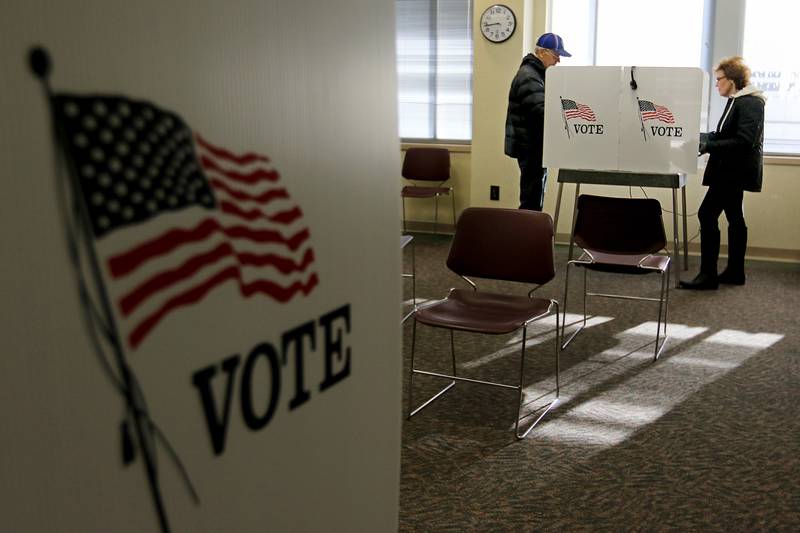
731	278
701	282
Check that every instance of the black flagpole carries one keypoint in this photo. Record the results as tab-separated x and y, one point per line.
564	116
641	121
39	62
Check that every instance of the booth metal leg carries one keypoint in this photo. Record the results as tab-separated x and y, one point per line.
574	218
558	208
685	232
675	249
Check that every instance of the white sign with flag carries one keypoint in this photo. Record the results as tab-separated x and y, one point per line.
191	342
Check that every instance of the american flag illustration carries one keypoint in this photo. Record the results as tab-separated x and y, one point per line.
174	216
573	109
651	111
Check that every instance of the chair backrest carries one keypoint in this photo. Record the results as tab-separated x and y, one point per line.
630	226
503	244
427	164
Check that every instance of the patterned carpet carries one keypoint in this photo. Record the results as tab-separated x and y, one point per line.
705	439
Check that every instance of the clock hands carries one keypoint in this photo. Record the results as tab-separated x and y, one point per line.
497	23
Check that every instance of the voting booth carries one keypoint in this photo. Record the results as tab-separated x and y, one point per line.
633	126
596	120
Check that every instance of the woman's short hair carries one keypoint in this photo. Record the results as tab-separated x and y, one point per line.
735	70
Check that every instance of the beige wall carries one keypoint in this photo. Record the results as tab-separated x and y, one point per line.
771	215
494	66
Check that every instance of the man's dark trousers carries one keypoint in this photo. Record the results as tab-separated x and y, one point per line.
532	181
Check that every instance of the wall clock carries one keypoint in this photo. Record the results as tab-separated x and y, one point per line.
498	23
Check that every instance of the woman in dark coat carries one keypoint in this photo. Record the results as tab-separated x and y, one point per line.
734	166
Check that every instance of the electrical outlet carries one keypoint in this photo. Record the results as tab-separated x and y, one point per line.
494	192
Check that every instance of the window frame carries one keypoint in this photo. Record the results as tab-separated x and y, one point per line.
457	144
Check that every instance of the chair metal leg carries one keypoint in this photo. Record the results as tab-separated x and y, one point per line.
585	292
558	352
436	214
564	320
566	292
453	200
413	371
536	422
453	351
658	323
666	304
521	372
662	303
404	213
413	276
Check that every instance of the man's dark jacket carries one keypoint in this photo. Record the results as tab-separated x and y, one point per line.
736	147
525	117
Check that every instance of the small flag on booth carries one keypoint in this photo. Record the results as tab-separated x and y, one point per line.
652	111
573	109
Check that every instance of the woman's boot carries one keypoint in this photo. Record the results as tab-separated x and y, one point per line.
709	254
737	245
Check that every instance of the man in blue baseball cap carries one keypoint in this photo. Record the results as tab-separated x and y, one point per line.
525	119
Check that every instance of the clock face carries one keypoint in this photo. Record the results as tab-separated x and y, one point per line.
498	23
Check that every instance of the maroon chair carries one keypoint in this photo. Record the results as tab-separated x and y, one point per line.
500	244
431	165
621	235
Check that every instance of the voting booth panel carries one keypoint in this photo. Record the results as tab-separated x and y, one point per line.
660	121
581	125
596	120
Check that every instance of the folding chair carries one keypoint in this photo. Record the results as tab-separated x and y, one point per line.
427	165
621	235
500	244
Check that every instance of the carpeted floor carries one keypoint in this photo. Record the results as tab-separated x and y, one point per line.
705	439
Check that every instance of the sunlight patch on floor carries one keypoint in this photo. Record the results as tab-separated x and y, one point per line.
582	432
675	331
633	349
732	337
617	413
702	362
539	332
645	390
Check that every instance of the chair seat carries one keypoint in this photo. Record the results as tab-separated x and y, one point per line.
482	312
624	262
415	191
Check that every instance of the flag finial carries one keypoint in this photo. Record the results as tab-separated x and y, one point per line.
39	61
